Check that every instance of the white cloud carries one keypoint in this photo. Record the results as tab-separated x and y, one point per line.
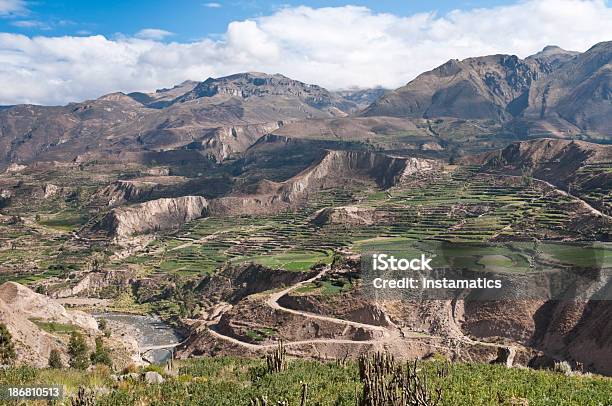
10	7
213	5
31	24
337	47
153	34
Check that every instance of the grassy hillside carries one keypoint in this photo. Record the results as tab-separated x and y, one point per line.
230	381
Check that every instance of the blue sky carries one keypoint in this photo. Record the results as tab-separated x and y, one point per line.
187	20
54	52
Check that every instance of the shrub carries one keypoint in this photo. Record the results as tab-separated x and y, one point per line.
77	350
101	354
154	368
102	325
130	368
55	360
7	349
563	367
84	397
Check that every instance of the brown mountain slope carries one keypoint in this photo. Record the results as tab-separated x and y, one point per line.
579	92
488	87
217	117
554	91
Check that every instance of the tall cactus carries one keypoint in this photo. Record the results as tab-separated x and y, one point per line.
304	397
386	383
276	361
83	397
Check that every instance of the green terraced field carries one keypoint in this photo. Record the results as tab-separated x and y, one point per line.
458	207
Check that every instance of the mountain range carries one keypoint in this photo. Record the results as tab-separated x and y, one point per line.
554	93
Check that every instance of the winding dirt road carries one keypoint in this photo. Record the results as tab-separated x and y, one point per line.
272	301
390	334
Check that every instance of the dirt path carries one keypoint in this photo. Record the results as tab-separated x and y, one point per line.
274	298
458	333
562	192
391	334
290	343
198	241
583	202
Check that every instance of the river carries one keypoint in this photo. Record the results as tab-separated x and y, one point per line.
149	331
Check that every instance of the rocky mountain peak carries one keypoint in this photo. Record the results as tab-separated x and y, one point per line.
605	46
249	85
187	84
553	49
252	84
552	57
119	97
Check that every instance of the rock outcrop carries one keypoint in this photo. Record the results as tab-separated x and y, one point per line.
34	305
93	282
336	168
135	190
20	305
544	152
254	84
384	169
223	142
346	215
151	216
32	345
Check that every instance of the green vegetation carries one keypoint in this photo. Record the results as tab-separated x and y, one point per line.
330	285
387	382
460	206
54	327
284	240
101	354
55	360
291	260
64	221
7	348
227	381
77	351
261	334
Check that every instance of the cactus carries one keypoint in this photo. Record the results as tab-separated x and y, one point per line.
259	401
304	394
263	401
387	383
276	361
84	397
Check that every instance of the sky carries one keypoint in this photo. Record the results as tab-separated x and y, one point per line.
56	52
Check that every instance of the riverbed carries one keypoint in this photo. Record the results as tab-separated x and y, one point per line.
149	331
